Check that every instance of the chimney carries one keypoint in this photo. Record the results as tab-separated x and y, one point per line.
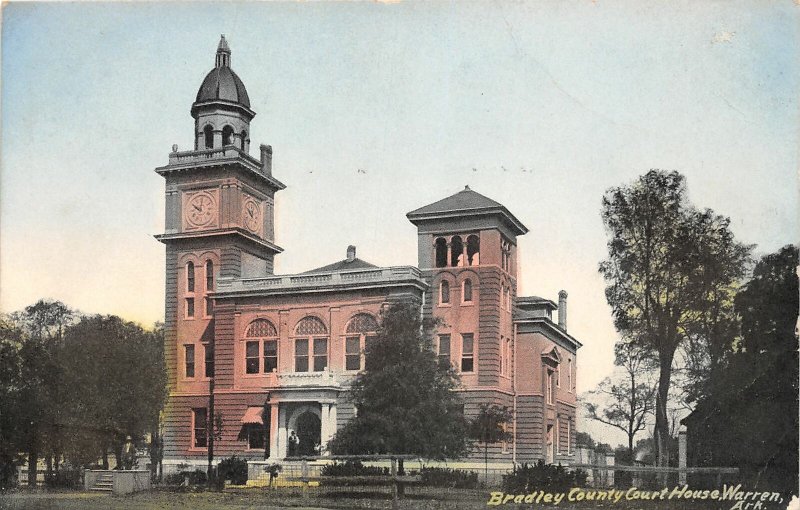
562	310
351	253
266	159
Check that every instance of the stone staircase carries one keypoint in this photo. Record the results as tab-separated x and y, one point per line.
104	483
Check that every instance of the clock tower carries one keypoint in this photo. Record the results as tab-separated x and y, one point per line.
219	224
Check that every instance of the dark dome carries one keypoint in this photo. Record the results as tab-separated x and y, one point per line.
223	84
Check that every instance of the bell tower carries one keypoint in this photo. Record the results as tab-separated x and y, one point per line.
467	253
219	220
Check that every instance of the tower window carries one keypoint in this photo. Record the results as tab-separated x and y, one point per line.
467	352
199	435
441	252
456	252
467	291
444	294
209	359
227	135
209	275
244	140
444	351
189	358
473	250
208	134
190	277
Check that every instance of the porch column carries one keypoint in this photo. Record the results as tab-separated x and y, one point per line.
328	425
274	430
283	434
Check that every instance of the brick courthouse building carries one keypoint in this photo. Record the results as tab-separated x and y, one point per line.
282	349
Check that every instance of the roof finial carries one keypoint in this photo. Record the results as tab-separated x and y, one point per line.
223	53
466	188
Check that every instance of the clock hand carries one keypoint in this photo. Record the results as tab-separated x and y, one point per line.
199	209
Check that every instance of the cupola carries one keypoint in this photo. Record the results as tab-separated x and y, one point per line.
222	107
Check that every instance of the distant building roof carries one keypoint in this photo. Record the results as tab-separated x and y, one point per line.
466	203
350	263
343	265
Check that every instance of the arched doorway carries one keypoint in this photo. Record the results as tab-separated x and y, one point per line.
309	432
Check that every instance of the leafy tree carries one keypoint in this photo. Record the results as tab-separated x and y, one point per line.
626	401
584	439
116	375
754	403
405	400
489	426
662	274
11	403
41	418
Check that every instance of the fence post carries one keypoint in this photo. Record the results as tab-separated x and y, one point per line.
682	456
395	499
304	476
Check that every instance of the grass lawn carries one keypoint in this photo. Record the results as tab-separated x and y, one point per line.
322	498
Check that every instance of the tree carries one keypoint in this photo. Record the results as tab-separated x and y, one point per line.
661	272
629	397
11	403
489	426
405	400
754	404
41	328
116	376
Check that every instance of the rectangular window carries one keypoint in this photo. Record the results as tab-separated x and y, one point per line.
270	356
251	357
368	341
189	350
444	350
209	275
255	436
467	352
569	437
558	377
558	435
190	307
190	277
549	386
301	355
209	307
209	359
352	353
199	433
320	354
502	355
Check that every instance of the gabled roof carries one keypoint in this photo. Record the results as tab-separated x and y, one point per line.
466	203
343	265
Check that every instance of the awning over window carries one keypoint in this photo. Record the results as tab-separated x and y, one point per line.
253	415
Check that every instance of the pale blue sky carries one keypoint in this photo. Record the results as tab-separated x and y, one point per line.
541	106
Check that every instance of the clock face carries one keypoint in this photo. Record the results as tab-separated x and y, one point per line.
201	210
251	212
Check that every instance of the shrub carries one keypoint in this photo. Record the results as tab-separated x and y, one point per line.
526	477
352	468
66	477
196	477
446	477
233	469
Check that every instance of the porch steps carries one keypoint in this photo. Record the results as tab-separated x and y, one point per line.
104	483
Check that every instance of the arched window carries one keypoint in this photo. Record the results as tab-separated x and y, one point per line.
244	140
473	250
456	252
360	332
227	134
209	287
190	277
467	291
208	134
209	275
311	345
444	292
261	342
441	252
